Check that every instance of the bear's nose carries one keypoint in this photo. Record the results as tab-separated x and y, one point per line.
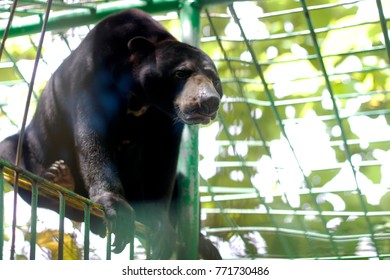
209	103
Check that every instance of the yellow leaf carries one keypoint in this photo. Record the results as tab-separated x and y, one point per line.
49	239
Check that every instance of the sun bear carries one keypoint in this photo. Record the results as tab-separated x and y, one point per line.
111	118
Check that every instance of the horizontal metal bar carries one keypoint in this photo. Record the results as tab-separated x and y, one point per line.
296	212
286	35
255	164
59	5
343	116
256	195
306	58
259	143
220	190
295	101
283	12
366	255
68	18
299	233
313	76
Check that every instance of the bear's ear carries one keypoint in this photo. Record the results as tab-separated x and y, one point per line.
140	46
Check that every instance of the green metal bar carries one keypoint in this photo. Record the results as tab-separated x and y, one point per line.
249	191
87	226
64	19
14	216
8	27
132	251
338	165
33	229
300	233
188	193
108	245
302	100
2	189
283	12
308	57
363	257
59	5
31	84
61	227
339	120
188	215
311	77
297	212
300	33
148	248
205	3
384	27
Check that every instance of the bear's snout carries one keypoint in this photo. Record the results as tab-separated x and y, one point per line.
198	102
209	103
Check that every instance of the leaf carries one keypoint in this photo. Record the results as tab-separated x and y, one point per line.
49	239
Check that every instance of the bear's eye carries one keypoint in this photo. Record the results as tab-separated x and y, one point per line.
217	83
182	74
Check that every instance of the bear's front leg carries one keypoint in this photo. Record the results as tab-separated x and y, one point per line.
99	172
101	178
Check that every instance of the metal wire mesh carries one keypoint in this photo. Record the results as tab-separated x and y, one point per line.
295	166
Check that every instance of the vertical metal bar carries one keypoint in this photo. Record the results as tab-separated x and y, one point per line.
148	248
23	128
87	226
1	212
108	245
31	86
132	254
61	227
188	193
14	215
33	230
8	27
384	27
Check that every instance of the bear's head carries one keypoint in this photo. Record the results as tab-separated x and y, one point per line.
177	78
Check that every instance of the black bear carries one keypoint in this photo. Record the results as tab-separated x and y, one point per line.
114	112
